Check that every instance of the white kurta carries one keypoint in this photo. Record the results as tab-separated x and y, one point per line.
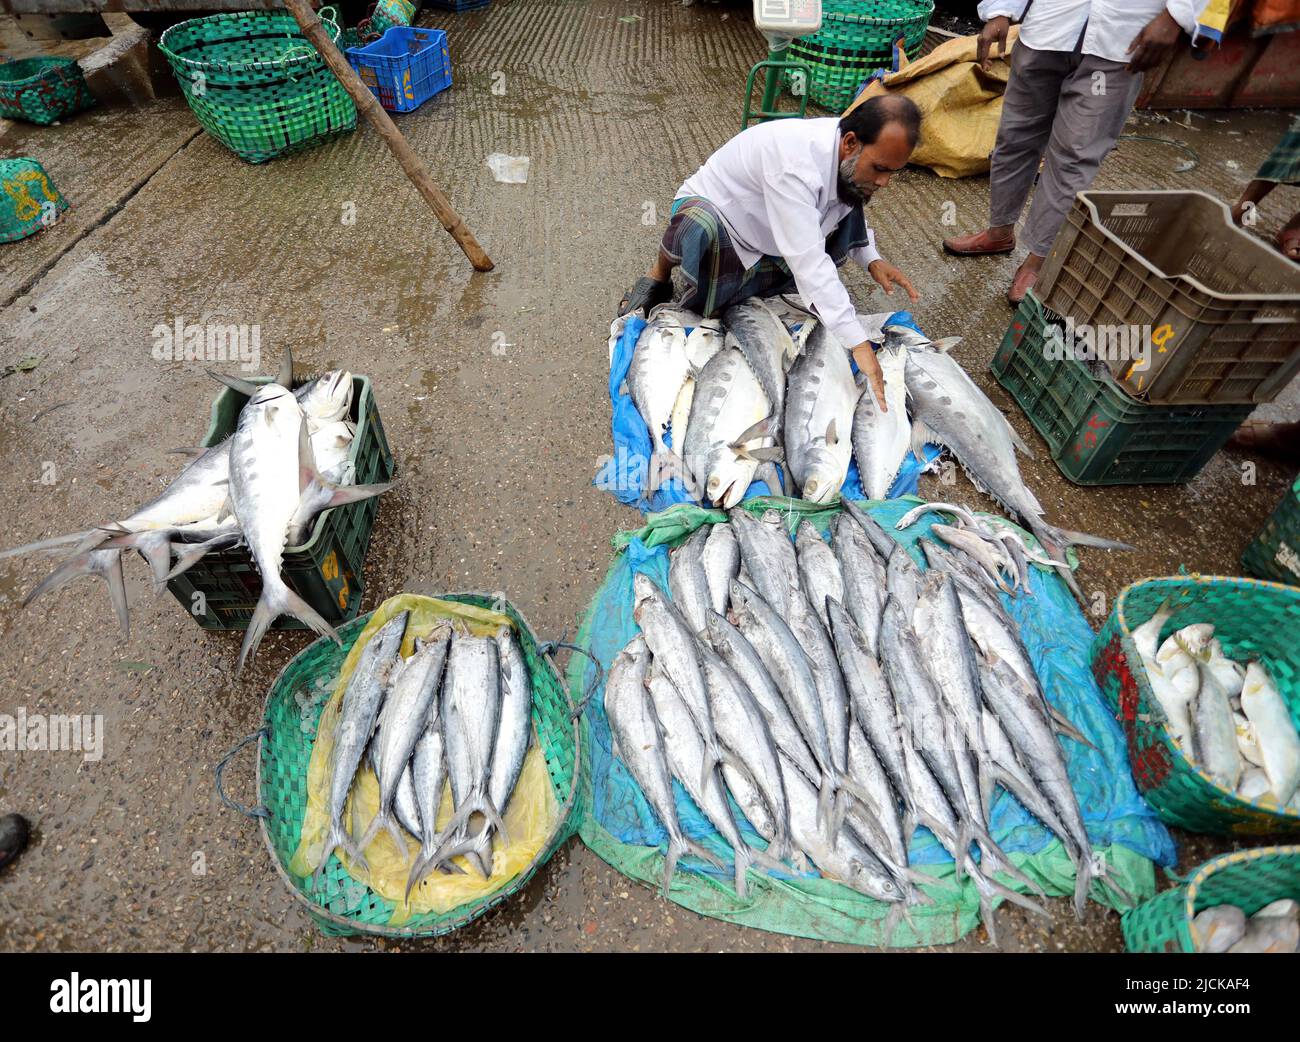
777	188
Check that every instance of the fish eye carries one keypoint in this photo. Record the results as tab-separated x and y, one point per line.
714	482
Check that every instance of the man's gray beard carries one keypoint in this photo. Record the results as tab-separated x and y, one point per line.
848	191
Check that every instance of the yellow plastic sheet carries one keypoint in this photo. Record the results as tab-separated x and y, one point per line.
530	817
960	103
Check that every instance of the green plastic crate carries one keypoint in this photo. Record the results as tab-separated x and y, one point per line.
1097	433
339	905
1249	879
326	571
42	90
256	84
1275	552
856	38
1254	620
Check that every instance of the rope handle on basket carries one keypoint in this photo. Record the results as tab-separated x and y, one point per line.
550	647
259	811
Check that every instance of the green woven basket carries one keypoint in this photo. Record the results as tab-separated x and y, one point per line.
1275	552
256	84
856	38
42	90
1254	620
1249	879
340	905
28	201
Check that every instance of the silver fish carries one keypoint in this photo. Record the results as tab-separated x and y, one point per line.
687	581
816	643
685	751
730	417
768	556
881	541
639	743
819	570
721	564
326	400
903	579
659	368
402	720
863	575
264	493
948	408
405	809
743	731
676	654
1215	731
756	331
428	779
818	422
1279	744
471	713
740	655
357	715
881	439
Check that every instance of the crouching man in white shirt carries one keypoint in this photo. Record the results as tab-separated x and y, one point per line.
777	209
1075	74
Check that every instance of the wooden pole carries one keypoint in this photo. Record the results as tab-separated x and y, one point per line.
379	119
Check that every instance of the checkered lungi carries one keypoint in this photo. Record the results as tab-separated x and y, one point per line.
1283	163
697	241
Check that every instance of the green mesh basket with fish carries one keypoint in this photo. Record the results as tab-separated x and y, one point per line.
339	904
1249	879
1253	620
1275	552
256	84
856	38
222	589
42	90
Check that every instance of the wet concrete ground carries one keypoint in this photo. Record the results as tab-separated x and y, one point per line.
616	103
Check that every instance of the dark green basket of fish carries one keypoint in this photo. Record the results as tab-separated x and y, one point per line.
221	590
42	90
442	684
1204	676
1275	552
1247	901
856	38
1098	434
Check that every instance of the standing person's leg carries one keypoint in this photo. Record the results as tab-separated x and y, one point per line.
1095	102
1028	107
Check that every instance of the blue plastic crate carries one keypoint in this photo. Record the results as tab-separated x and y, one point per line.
405	67
458	5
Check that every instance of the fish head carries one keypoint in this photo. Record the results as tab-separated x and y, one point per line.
329	398
727	479
824	476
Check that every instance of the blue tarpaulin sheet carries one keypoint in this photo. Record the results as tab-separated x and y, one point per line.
625	473
1058	638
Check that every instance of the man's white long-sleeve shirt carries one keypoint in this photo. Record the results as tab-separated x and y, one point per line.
777	188
1107	27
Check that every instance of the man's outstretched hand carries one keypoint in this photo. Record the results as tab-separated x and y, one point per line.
865	355
887	276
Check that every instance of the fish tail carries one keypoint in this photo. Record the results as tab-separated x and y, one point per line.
743	859
188	558
998	859
697	851
276	600
336	838
51	543
992	888
424	864
86	564
712	761
676	847
1061	725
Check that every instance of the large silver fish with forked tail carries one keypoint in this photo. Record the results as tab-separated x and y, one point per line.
660	367
428	779
818	423
357	716
755	330
639	743
949	409
730	420
265	486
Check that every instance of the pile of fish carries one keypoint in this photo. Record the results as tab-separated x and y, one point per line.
1273	930
459	709
727	401
842	696
287	461
1229	719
